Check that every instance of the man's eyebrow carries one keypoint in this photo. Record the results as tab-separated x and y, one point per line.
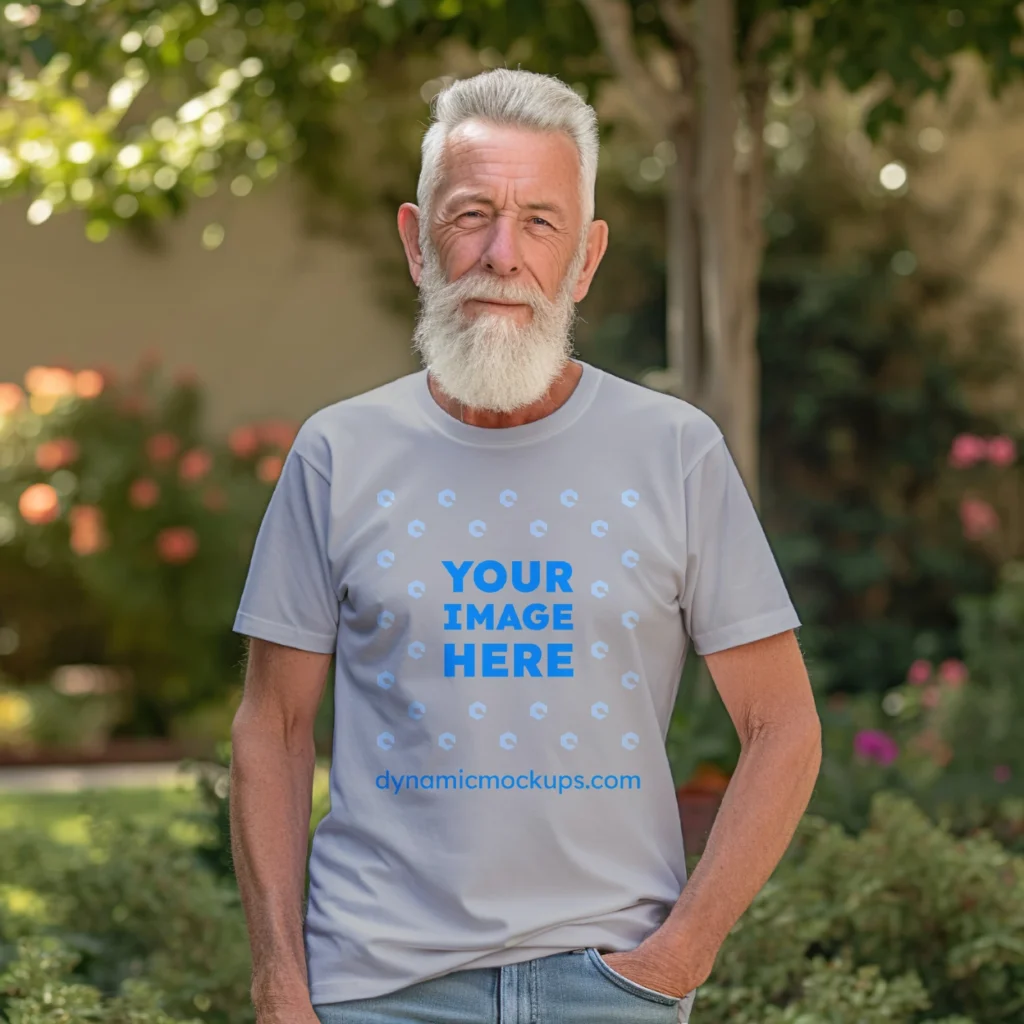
484	200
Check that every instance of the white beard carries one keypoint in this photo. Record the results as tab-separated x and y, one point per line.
490	361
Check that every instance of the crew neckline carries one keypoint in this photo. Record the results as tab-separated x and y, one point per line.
502	437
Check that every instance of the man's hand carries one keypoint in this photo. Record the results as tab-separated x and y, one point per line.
647	967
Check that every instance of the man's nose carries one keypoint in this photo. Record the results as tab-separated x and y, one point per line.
502	255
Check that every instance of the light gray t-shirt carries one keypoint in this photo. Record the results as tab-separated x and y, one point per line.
510	609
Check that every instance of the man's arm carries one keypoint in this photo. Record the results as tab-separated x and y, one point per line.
767	692
272	763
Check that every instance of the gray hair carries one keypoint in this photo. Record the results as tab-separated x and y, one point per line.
522	99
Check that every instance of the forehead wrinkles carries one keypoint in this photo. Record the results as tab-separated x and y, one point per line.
472	164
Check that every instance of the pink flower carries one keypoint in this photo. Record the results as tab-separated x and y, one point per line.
39	504
244	441
953	673
268	469
874	745
1001	773
1002	450
977	518
194	465
919	672
930	697
11	398
967	449
162	447
144	493
177	544
51	455
88	534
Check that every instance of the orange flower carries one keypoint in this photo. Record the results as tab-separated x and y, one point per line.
177	544
11	398
162	447
88	534
279	433
244	442
88	383
51	455
268	469
144	492
39	504
52	381
194	465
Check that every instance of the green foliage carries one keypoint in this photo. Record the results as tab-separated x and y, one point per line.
40	716
119	500
862	399
233	92
910	46
993	630
131	901
905	922
38	987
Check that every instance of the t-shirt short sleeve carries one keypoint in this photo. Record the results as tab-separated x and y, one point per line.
733	590
289	597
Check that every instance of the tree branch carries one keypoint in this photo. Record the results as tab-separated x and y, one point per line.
655	108
678	19
761	31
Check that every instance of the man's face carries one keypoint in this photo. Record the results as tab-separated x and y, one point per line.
498	288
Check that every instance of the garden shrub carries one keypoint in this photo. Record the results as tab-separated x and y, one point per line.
905	923
38	987
131	901
907	920
125	534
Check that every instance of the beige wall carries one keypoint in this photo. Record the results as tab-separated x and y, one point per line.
273	321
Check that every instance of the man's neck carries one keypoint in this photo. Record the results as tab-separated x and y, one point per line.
557	395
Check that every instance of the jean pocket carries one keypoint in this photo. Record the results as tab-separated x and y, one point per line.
628	984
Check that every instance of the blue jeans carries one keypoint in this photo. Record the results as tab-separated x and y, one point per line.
565	988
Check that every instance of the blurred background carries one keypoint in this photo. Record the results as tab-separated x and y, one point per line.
197	206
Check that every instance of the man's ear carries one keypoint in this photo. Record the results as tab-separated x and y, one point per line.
409	231
597	245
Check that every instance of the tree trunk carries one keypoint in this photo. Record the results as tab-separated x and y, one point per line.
746	382
730	393
719	201
683	318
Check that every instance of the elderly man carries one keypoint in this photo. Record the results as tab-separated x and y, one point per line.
509	554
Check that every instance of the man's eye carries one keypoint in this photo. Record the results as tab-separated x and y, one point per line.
470	213
542	220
